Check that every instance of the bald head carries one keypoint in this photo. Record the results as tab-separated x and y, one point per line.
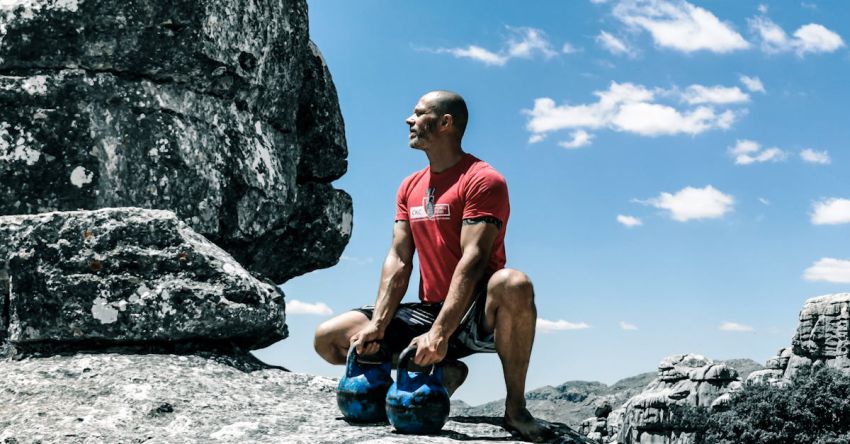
451	103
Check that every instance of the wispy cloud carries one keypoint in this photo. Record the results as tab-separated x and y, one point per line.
808	39
722	95
693	203
829	270
627	326
614	45
524	43
680	26
629	221
579	139
811	156
734	326
357	260
747	152
296	307
568	48
753	84
547	326
636	109
831	211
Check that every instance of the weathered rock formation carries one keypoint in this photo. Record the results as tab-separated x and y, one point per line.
822	338
682	379
219	110
127	276
165	398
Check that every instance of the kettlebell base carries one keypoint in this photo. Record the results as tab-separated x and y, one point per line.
360	409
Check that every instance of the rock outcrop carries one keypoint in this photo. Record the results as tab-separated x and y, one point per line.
127	276
165	398
822	338
219	110
682	379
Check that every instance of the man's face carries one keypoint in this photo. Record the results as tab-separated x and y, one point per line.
423	123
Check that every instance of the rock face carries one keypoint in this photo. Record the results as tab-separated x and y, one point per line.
166	398
822	338
682	379
222	111
127	276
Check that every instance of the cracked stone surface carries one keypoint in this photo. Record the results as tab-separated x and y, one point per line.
222	111
127	276
165	398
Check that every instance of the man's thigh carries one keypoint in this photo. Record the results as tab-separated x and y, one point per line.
339	330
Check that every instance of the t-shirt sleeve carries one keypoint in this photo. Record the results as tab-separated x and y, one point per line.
486	195
401	202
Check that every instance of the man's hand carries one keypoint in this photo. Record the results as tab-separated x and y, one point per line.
430	349
368	340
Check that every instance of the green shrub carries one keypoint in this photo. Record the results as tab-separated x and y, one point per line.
814	408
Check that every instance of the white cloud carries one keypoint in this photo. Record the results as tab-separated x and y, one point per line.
580	138
476	53
734	326
694	203
614	45
568	48
631	108
679	25
547	326
831	212
627	326
536	138
811	38
752	83
764	201
762	8
295	306
357	260
525	43
830	270
811	156
747	152
699	94
629	221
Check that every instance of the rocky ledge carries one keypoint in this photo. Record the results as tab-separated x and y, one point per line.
167	398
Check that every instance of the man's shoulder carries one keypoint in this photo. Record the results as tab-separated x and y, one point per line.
413	177
480	169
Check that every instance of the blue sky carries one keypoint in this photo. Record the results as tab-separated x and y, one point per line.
678	171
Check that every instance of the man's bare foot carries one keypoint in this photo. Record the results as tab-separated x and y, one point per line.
520	422
454	373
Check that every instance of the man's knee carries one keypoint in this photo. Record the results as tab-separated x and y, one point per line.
511	287
324	342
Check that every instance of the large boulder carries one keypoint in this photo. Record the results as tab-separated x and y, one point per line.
222	111
822	338
125	276
686	379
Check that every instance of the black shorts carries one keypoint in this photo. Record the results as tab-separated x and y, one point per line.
415	318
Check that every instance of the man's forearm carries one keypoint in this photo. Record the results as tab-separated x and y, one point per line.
466	277
395	275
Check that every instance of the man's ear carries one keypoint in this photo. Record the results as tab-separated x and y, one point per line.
446	121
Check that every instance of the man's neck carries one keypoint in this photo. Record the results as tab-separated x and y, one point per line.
442	159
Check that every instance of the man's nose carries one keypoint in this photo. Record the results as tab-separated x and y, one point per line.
409	121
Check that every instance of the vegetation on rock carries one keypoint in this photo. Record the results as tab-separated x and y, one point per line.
813	407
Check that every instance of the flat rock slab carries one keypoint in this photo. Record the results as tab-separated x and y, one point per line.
166	398
127	275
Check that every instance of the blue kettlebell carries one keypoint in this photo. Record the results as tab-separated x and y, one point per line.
362	391
417	403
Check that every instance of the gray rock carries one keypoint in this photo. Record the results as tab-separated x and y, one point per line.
822	338
166	398
128	276
682	380
219	110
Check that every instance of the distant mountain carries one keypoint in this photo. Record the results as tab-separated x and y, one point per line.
574	401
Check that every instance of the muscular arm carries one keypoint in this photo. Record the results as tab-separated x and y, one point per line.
476	241
395	276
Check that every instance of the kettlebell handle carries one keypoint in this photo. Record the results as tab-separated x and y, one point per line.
403	362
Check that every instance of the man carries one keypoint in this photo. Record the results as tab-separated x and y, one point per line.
454	212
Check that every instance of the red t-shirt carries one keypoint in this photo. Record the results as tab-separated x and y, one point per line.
435	205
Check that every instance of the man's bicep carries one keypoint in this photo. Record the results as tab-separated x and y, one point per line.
402	245
480	234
